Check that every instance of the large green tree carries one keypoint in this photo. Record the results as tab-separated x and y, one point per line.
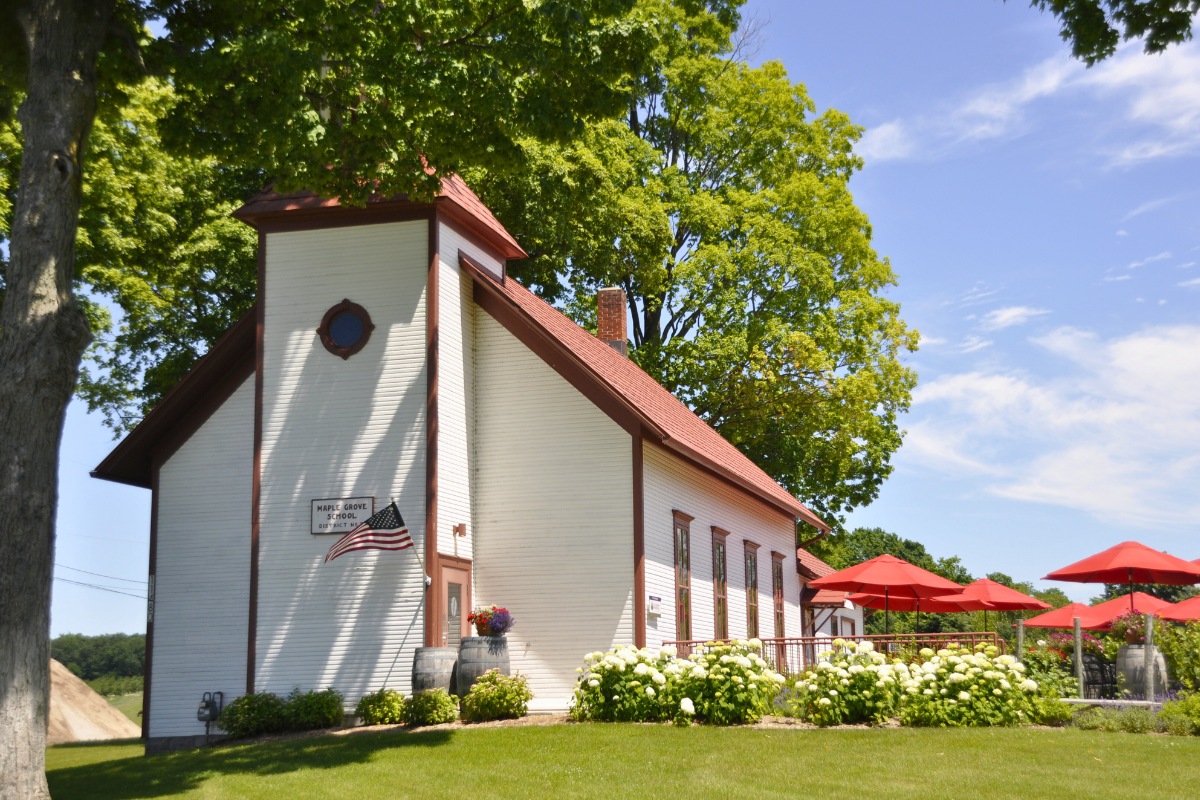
1094	28
346	98
719	201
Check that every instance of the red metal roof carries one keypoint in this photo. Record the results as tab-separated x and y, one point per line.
811	565
672	422
457	198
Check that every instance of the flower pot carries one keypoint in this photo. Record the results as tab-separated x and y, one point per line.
1133	637
481	628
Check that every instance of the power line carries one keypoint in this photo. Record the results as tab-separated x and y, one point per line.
104	538
98	575
101	588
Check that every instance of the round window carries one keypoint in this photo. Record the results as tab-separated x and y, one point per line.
345	329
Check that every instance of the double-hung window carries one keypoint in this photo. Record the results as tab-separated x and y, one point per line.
720	584
751	589
683	576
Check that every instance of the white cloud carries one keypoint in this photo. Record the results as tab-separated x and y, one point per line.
1122	232
1163	256
1111	278
886	142
931	341
1148	206
978	294
1152	104
1009	317
1161	95
1113	431
973	344
1191	283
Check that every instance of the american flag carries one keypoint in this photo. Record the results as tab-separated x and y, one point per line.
385	530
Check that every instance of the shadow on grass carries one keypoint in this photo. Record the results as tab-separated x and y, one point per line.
175	773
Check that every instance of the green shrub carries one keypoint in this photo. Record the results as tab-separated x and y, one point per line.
1180	646
1049	710
1181	717
1138	720
1113	720
313	709
116	685
957	687
385	707
433	707
254	715
497	696
1051	667
1091	719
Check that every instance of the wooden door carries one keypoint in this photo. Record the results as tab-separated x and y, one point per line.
455	597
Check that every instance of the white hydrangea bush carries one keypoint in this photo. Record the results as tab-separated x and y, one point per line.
957	687
951	687
850	684
722	684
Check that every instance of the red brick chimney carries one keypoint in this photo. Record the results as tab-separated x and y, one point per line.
610	318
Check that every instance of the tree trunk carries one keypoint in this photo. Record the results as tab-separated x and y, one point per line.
43	333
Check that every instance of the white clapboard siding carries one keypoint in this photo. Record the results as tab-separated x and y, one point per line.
554	515
673	484
456	393
202	581
341	428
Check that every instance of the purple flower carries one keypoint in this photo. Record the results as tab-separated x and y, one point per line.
500	622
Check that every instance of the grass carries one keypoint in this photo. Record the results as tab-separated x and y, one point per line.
130	705
643	761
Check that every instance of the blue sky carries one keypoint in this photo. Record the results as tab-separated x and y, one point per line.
1043	221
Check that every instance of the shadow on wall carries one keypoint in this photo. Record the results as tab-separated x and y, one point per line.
341	624
174	774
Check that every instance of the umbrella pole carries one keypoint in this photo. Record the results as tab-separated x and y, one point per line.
886	611
1131	608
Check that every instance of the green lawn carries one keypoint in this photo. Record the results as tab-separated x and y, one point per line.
130	705
643	761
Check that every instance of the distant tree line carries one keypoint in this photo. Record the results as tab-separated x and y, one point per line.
110	655
861	544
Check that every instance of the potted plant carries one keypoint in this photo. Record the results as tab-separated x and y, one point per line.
494	621
1131	627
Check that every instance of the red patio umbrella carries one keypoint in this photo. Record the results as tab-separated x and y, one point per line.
1063	617
1129	562
1183	611
930	605
995	596
890	577
1101	615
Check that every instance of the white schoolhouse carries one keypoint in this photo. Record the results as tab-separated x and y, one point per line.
536	467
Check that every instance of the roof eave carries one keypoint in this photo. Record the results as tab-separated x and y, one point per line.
213	378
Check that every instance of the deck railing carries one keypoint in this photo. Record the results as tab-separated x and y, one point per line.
793	655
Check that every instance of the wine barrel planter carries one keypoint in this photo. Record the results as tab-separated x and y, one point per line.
1131	663
433	668
477	655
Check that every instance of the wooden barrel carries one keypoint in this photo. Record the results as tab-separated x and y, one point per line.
433	668
477	655
1131	663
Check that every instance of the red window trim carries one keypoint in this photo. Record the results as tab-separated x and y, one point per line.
683	574
750	552
777	591
326	337
720	584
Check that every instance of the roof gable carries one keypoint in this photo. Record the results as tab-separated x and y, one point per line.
269	208
672	423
